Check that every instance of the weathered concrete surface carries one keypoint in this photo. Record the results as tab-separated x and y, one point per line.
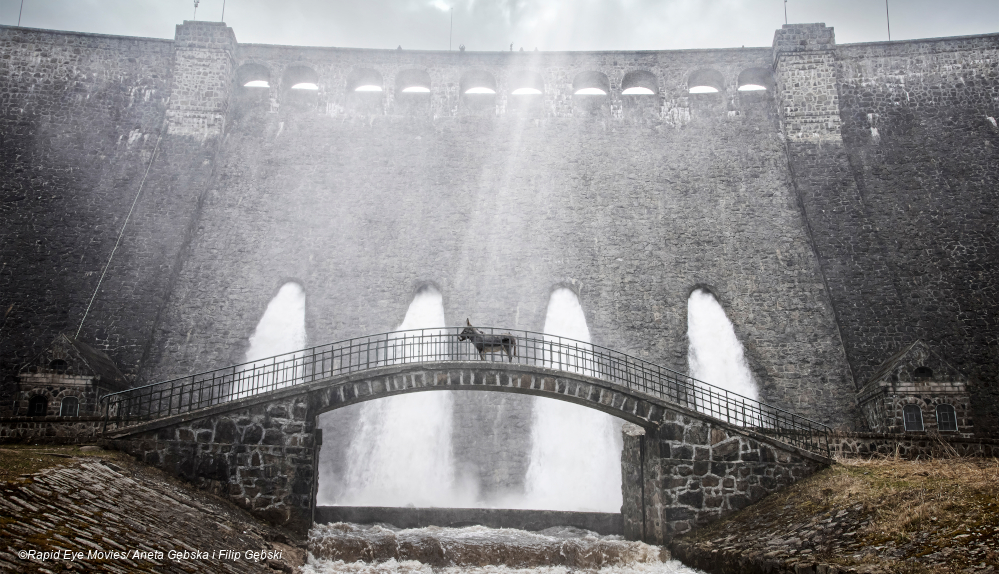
533	520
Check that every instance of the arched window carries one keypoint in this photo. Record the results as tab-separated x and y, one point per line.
477	82
412	92
70	407
590	84
364	80
526	84
58	365
755	80
589	93
301	78
365	89
412	82
946	418
639	83
478	91
38	406
526	91
922	373
705	81
253	76
912	418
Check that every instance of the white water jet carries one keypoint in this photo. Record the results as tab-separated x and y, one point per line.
281	330
715	355
575	451
400	454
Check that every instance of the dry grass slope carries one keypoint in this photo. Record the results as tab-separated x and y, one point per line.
883	515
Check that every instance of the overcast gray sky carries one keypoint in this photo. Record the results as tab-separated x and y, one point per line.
494	24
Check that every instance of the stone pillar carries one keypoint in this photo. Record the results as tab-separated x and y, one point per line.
688	472
832	198
203	66
633	482
805	73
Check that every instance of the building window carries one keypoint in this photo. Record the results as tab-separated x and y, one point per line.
38	406
946	418
912	417
70	407
922	373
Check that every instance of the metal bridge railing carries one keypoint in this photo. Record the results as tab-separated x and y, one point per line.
190	393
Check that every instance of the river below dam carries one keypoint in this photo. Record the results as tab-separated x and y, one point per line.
382	549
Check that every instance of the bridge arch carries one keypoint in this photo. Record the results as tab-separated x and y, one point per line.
251	430
489	376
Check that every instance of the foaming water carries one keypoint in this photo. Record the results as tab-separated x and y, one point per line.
715	354
575	451
380	549
400	454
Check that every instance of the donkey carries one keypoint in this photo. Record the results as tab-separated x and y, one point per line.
502	343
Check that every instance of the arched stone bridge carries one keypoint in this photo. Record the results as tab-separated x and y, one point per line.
249	432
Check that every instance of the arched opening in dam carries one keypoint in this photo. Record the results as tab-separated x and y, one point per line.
492	451
714	354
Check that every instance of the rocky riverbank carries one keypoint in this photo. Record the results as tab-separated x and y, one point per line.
70	509
878	516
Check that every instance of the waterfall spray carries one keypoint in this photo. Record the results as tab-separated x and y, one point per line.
715	354
401	451
575	451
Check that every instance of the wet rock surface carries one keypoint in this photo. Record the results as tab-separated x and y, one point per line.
864	517
113	515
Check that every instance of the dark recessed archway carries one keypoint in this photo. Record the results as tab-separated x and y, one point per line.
640	94
639	83
705	81
525	92
253	88
755	80
300	87
254	76
365	91
412	92
590	91
365	80
477	89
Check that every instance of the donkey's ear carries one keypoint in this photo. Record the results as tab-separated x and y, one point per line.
467	322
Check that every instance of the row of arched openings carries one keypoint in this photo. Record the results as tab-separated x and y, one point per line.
523	83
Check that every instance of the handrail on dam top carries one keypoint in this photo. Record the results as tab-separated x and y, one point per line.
143	404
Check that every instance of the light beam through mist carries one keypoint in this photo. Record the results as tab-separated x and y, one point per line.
400	454
715	355
575	451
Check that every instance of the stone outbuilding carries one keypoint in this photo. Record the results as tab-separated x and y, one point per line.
66	380
917	391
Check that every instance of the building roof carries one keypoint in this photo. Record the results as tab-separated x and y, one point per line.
80	359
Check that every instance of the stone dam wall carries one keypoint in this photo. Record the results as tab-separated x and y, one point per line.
837	216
